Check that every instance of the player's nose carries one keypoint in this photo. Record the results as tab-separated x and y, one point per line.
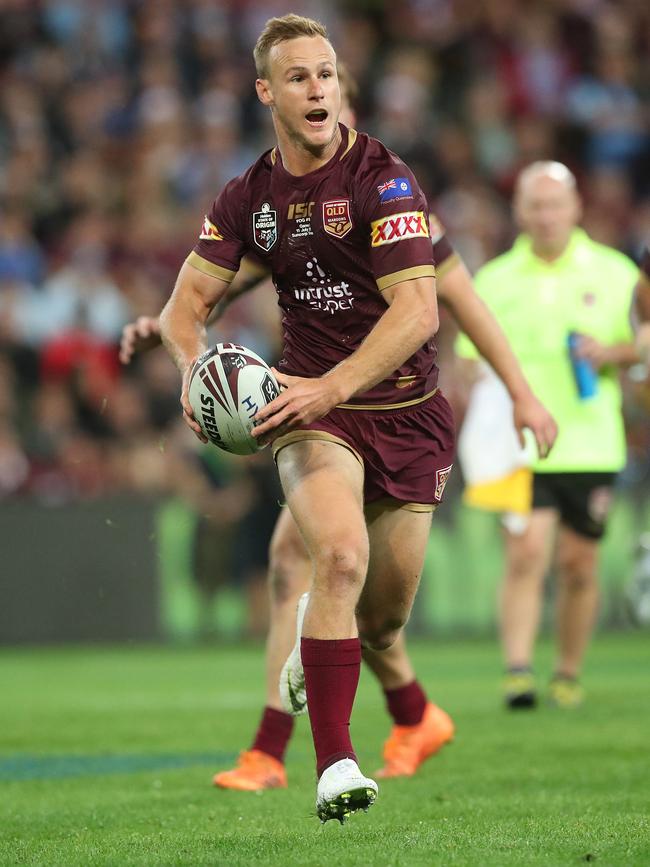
316	90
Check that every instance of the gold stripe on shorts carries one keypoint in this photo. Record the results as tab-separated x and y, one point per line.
385	406
391	503
297	436
209	268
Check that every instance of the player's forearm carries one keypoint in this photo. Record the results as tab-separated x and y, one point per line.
183	319
476	320
623	354
407	324
183	333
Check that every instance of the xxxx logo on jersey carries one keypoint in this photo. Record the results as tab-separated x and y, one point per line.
397	227
209	232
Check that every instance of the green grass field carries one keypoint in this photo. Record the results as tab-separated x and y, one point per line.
106	757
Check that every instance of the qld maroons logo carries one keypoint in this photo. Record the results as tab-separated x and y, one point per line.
265	227
441	481
336	217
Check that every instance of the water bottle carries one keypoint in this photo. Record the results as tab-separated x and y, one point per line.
585	376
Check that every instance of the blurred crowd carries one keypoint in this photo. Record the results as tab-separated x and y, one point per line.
120	120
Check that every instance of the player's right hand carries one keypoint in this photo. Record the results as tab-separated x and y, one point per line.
188	412
139	336
530	413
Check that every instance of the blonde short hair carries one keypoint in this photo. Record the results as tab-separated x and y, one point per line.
279	30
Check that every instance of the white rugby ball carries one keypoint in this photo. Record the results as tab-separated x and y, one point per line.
228	385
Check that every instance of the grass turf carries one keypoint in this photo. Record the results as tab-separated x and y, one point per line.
106	757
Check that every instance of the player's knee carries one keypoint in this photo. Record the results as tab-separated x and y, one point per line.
578	574
289	568
523	563
341	565
380	634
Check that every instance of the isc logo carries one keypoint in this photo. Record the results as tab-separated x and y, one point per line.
301	209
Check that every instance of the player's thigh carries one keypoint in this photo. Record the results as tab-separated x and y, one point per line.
528	554
398	541
323	487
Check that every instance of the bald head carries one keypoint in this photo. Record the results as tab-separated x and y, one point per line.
547	206
545	169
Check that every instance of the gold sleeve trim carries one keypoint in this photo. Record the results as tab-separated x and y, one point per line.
352	137
377	507
297	436
407	274
385	406
210	268
447	264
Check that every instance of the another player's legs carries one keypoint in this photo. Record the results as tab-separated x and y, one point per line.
527	559
398	539
323	485
262	766
577	604
420	728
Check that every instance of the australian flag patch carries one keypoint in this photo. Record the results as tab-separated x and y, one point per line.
397	188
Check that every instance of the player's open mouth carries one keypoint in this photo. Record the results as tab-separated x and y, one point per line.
317	118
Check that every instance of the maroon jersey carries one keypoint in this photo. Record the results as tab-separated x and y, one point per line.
333	239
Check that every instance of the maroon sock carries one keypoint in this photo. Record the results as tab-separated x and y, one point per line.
273	733
406	704
331	676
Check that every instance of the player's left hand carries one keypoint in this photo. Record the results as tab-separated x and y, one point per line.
529	412
593	351
300	402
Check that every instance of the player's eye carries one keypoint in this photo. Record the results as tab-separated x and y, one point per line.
296	78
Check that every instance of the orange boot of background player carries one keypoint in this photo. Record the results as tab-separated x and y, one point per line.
255	771
409	746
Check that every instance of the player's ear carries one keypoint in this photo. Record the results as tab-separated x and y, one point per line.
264	94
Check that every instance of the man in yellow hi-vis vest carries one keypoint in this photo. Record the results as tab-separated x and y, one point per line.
563	301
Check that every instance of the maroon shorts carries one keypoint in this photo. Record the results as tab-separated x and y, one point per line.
406	453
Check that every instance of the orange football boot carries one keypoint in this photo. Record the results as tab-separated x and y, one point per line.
254	772
409	746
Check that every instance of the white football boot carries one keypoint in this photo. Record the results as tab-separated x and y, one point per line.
342	790
292	679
